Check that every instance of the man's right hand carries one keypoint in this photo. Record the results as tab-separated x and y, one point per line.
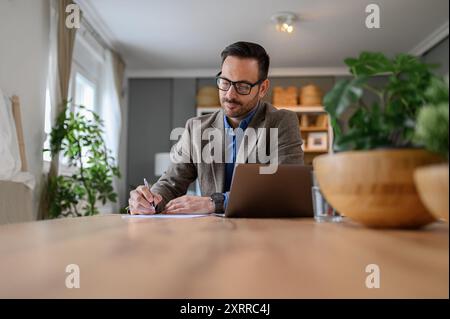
141	199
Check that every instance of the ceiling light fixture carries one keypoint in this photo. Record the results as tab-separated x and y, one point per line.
284	21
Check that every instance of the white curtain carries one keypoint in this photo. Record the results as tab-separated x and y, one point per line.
110	112
53	77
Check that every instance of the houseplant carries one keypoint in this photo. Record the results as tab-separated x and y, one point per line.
432	132
77	134
370	178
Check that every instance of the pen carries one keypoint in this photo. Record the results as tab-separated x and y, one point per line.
148	187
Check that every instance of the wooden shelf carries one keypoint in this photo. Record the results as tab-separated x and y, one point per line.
315	151
303	109
294	108
314	129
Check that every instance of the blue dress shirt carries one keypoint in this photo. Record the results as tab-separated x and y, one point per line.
231	146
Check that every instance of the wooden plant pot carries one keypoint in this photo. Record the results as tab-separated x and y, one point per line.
432	185
375	188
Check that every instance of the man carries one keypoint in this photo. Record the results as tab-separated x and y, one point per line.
242	84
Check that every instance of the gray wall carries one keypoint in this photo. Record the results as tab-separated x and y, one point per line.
439	55
183	97
155	107
149	118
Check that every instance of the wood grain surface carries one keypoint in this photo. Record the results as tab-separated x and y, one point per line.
214	257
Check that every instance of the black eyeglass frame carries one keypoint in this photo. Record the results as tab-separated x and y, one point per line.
218	77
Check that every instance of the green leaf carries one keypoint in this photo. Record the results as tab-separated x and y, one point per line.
344	94
369	64
433	128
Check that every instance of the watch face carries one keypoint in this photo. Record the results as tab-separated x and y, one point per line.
218	197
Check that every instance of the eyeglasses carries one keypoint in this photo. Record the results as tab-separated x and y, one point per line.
242	87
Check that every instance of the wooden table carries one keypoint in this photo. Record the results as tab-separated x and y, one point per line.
213	257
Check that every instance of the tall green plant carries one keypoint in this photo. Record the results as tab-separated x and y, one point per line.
78	136
390	120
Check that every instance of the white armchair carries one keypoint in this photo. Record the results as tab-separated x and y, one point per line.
16	186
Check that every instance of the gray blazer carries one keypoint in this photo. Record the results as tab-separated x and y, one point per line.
211	176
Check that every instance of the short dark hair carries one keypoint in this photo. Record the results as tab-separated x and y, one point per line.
249	50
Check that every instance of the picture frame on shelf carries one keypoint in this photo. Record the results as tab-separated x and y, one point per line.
317	141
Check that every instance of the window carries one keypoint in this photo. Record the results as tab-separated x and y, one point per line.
47	125
85	95
84	92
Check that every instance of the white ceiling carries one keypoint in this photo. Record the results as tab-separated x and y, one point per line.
190	34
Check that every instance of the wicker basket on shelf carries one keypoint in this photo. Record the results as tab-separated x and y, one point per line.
285	97
310	95
208	96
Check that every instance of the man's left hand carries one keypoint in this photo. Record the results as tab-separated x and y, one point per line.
190	204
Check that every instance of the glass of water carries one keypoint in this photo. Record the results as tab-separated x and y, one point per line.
323	212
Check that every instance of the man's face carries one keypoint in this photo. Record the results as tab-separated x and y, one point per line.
236	69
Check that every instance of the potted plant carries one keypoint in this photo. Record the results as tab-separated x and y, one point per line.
370	177
432	133
78	135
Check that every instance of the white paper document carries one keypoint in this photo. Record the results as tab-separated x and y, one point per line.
180	216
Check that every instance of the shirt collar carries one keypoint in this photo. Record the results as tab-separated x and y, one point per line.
244	122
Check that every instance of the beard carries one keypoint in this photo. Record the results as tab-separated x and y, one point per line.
237	109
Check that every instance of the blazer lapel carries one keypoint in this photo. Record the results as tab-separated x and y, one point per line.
218	169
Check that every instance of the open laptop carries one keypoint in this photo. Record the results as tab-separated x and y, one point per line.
286	193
